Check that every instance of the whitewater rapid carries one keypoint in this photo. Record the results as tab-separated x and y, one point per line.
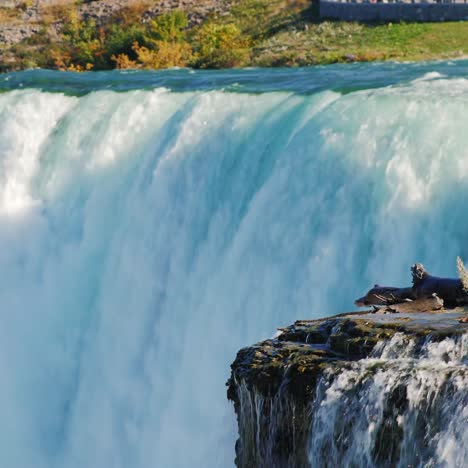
147	235
406	405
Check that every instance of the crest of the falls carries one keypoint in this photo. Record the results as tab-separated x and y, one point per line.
404	406
146	235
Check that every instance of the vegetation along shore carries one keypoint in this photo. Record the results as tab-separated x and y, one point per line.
154	34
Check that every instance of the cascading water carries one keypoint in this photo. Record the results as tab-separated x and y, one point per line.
147	234
404	406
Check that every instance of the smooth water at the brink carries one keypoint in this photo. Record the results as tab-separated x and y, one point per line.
147	234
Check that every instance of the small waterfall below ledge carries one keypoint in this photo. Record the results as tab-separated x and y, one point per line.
405	406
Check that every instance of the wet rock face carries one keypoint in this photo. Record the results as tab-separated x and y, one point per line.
274	383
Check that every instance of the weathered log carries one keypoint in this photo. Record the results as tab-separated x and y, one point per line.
450	290
423	304
385	295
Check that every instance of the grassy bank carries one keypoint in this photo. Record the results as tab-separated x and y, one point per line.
247	33
340	42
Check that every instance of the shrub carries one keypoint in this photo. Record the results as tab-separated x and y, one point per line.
83	45
164	45
123	62
220	46
120	40
165	55
160	44
169	27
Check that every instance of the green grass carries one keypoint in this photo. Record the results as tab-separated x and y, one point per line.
330	42
290	33
255	33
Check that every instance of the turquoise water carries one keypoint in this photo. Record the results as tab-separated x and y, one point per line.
147	234
343	78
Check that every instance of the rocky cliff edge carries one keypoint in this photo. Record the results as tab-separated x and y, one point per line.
273	383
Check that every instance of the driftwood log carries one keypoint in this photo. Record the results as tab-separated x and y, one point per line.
450	290
423	304
385	295
428	292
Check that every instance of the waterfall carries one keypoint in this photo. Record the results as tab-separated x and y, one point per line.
147	234
404	406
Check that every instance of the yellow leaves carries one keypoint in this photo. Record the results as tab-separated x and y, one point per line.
123	62
62	59
63	62
163	45
164	55
79	68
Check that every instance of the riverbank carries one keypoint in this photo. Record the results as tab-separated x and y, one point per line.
145	34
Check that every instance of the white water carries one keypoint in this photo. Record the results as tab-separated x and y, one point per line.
146	236
402	407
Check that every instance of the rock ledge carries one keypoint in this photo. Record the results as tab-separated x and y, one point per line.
273	383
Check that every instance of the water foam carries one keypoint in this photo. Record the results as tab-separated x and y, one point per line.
146	236
402	407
